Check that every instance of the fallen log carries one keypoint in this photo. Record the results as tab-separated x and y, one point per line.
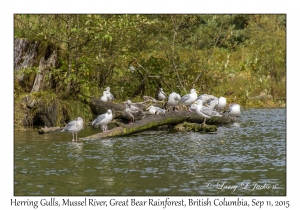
153	121
145	121
100	107
49	130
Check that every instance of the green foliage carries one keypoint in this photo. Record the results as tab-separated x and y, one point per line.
75	109
238	56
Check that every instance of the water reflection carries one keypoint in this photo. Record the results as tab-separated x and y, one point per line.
251	152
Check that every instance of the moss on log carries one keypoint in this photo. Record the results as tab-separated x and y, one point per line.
49	130
153	121
190	120
148	122
186	126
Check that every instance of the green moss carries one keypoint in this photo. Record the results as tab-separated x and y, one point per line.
76	109
186	126
48	102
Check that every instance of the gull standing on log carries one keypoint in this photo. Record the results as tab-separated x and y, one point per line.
110	96
205	100
173	100
74	127
212	103
188	99
155	110
103	120
204	111
161	95
234	110
222	103
217	103
131	106
129	112
105	96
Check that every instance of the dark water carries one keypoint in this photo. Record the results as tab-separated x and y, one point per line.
245	158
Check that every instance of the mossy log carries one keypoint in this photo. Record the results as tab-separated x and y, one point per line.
144	122
99	107
186	126
49	130
153	121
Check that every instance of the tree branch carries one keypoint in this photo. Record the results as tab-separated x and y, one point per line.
173	52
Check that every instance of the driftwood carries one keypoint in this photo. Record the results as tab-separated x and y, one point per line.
49	130
99	107
153	121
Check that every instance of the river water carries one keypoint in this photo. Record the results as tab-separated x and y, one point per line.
244	158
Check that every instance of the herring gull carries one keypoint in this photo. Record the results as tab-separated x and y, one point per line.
74	127
204	111
131	106
105	96
189	98
110	96
206	98
132	111
161	94
221	104
234	110
156	110
103	120
173	100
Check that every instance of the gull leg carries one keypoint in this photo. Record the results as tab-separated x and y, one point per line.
73	137
190	108
174	108
132	120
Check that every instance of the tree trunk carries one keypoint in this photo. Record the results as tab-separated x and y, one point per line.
44	68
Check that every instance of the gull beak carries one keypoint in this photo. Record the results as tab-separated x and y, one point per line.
147	108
